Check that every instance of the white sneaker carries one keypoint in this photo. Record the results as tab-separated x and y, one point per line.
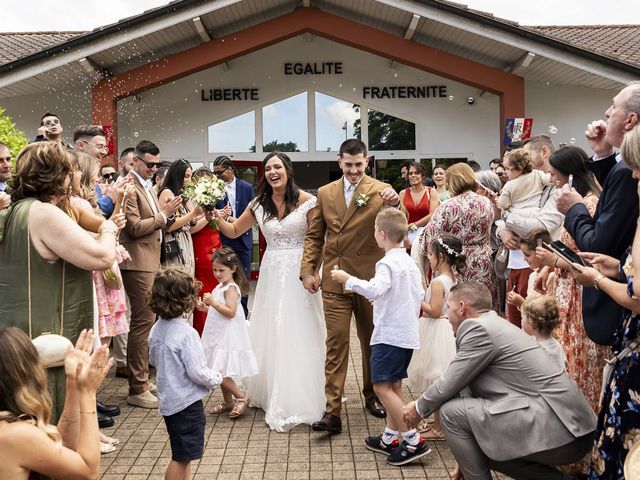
143	400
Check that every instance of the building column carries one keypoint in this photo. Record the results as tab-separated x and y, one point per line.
104	104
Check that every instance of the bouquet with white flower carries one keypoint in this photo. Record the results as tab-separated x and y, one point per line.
206	192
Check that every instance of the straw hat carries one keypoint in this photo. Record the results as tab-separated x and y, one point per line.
632	463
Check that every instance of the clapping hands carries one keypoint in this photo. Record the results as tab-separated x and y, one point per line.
85	369
5	200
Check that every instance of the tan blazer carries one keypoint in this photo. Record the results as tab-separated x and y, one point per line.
349	241
142	234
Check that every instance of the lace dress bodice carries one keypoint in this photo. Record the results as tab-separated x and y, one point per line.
287	233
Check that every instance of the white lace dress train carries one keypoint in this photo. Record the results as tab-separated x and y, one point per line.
287	328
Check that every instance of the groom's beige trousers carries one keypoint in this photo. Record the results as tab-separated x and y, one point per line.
338	310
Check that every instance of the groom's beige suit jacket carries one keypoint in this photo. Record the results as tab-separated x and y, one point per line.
345	233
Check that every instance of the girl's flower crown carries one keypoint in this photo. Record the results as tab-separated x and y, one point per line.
447	248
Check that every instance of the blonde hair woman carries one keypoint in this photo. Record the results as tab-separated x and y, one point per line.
112	302
467	216
29	443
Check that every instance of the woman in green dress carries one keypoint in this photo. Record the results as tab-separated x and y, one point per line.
46	257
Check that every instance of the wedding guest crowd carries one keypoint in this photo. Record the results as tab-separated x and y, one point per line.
544	236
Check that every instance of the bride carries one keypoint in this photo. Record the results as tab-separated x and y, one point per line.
287	327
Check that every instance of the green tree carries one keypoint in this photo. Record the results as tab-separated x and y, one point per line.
275	146
386	132
10	135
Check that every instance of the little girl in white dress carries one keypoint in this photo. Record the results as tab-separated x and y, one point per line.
225	336
437	341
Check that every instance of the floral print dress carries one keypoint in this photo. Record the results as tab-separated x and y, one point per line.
585	359
469	217
619	420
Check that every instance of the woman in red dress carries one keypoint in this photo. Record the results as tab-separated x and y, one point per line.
205	242
419	200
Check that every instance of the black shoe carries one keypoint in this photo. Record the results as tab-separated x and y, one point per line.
105	422
108	410
375	444
375	407
122	372
329	423
408	453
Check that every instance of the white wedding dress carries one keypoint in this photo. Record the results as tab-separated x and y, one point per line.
287	328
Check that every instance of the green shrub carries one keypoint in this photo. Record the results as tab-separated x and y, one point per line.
10	135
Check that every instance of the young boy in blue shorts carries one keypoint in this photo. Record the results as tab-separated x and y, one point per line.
182	374
396	292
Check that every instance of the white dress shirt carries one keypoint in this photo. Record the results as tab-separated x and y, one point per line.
349	188
182	375
147	184
231	195
397	292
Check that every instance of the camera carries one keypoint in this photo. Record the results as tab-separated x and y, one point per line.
471	100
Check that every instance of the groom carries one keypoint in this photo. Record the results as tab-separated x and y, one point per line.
342	223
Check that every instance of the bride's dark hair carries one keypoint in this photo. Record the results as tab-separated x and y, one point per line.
264	190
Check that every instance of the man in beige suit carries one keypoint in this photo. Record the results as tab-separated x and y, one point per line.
342	229
142	237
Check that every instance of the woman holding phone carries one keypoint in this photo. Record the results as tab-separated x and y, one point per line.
585	359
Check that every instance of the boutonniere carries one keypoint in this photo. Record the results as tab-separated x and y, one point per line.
361	200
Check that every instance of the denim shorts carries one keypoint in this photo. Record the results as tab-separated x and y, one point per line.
186	432
389	363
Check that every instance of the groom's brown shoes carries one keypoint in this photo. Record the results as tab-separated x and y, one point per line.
329	423
375	407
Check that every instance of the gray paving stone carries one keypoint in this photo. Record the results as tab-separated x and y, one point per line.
247	449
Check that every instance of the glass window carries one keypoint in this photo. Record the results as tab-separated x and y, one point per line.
335	122
388	171
284	125
387	132
237	134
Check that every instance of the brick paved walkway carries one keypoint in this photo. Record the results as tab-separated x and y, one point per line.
248	449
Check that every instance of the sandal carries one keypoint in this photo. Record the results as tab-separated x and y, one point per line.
106	448
424	425
239	407
220	408
433	434
108	440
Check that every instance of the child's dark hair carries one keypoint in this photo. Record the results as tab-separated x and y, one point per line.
449	248
227	257
173	293
542	313
531	240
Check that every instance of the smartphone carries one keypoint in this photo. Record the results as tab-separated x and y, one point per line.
570	180
564	252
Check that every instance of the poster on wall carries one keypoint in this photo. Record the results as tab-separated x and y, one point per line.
517	130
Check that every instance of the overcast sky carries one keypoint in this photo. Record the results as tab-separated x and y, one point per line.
38	15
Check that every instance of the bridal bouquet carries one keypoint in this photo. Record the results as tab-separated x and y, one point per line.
206	192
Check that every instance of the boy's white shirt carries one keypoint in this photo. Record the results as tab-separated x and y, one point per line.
397	292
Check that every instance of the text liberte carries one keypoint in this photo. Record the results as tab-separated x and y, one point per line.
229	94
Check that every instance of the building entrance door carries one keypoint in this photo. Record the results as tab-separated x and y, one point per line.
252	172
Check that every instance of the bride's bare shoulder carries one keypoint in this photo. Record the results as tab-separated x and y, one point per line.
304	196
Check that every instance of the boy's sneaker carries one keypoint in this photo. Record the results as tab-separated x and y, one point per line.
408	453
375	444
